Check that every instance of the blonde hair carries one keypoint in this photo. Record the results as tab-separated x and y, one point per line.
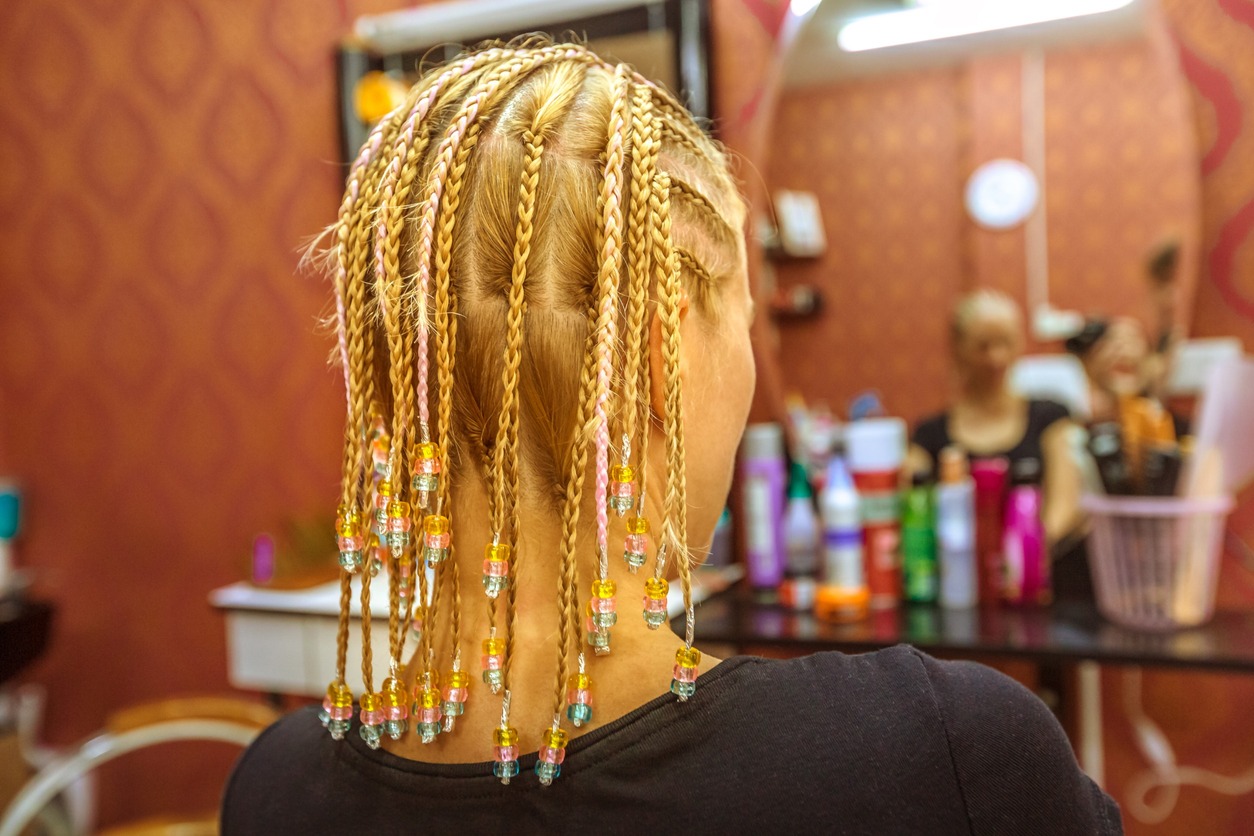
978	303
525	209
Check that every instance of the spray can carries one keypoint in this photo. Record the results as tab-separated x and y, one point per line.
842	594
955	532
876	448
762	478
918	542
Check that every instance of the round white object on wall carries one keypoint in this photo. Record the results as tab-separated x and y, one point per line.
1002	193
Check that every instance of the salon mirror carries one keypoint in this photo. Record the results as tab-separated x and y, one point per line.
1079	133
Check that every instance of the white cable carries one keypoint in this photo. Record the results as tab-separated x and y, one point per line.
1164	772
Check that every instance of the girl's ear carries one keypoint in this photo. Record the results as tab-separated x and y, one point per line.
657	368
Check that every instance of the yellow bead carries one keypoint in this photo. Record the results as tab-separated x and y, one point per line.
385	488
637	524
350	527
506	737
497	551
493	646
622	473
656	588
431	698
603	588
436	525
428	450
555	738
394	692
688	657
340	695
398	509
458	679
579	680
370	701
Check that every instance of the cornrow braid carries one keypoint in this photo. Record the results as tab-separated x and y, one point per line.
646	146
675	527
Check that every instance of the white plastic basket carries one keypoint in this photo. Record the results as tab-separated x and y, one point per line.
1155	560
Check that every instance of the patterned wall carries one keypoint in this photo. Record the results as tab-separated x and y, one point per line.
884	157
164	392
888	158
1206	717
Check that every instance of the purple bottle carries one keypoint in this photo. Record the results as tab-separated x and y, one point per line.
1023	544
763	477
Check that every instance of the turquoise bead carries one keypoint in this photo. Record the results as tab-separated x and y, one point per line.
683	690
547	771
579	714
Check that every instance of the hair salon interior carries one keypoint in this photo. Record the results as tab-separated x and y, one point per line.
955	206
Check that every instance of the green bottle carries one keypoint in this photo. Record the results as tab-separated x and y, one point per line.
918	542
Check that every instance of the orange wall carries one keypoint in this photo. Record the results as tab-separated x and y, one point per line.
164	393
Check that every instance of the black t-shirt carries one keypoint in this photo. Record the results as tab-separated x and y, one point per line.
933	435
892	742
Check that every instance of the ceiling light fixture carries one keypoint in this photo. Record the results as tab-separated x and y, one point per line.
956	18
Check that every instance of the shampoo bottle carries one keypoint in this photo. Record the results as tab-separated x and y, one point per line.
842	594
955	532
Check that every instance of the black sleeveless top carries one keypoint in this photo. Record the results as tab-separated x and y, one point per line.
887	742
932	435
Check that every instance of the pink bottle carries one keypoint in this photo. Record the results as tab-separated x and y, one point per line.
1023	544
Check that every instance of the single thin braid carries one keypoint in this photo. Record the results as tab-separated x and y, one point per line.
506	468
689	262
670	293
341	633
568	592
644	157
611	202
692	194
367	653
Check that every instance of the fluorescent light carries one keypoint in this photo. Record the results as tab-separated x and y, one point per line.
801	8
955	18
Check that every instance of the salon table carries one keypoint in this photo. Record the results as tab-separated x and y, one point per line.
1064	634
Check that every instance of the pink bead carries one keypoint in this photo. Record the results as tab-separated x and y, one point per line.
579	696
372	718
685	674
637	543
495	568
399	525
552	755
352	544
455	694
396	712
381	501
430	715
603	605
622	489
654	604
492	663
345	713
505	753
439	541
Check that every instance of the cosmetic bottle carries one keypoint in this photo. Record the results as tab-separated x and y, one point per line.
1023	544
955	531
918	541
876	449
842	594
989	476
762	479
801	542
